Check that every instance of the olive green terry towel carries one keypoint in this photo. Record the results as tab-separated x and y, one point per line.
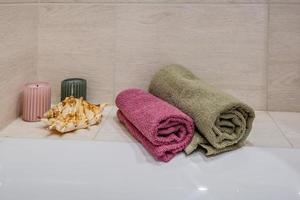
222	122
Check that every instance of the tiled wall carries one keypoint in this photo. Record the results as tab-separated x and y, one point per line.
78	40
117	46
249	48
18	50
284	57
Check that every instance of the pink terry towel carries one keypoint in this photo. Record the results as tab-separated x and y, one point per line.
160	127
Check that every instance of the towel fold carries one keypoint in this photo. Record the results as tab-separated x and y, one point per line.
160	127
222	122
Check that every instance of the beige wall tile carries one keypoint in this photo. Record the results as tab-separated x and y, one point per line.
137	45
284	59
223	44
78	41
284	1
18	49
19	1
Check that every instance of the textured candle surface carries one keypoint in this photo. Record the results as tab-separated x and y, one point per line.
36	100
75	87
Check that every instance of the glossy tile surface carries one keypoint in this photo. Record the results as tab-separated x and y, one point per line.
65	170
78	41
284	1
113	130
265	132
18	1
223	44
284	62
22	129
18	50
241	46
289	123
116	46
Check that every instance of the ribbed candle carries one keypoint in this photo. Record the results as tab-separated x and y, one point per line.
36	100
75	87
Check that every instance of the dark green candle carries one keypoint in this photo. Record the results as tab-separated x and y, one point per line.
75	87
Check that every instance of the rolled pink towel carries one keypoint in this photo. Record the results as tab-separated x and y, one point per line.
160	127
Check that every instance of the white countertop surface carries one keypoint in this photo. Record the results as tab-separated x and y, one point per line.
105	162
38	169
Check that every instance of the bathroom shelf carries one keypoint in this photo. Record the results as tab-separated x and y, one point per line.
264	128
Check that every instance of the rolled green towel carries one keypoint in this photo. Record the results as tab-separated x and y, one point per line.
222	122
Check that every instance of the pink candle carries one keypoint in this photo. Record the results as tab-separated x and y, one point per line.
36	100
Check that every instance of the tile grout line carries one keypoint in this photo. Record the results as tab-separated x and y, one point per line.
115	53
100	128
267	55
281	131
102	123
148	3
38	41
